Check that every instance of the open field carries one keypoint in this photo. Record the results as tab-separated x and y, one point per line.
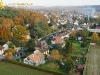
11	69
93	61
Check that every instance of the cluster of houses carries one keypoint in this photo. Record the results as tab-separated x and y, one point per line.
5	47
38	56
41	49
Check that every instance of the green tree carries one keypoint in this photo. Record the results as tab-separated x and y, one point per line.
68	46
11	45
31	45
53	65
39	30
69	64
86	19
84	33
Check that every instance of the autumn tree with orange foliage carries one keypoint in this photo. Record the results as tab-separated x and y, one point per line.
4	32
55	54
16	20
9	53
95	37
73	33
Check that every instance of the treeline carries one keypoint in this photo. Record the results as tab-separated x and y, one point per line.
21	15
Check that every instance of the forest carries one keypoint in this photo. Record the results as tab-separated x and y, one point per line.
16	24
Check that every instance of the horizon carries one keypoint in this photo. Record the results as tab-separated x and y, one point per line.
49	3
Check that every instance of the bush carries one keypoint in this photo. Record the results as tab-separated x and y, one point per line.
82	45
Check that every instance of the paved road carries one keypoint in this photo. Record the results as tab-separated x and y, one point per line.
93	61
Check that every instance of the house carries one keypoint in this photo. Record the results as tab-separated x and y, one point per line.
6	45
1	50
36	58
57	40
64	35
42	47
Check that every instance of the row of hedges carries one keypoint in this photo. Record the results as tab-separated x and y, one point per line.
33	67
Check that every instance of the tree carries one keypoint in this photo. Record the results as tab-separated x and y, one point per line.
84	33
95	37
20	32
11	45
9	52
53	65
73	33
16	20
69	64
4	32
81	21
31	45
55	54
68	46
65	26
39	30
86	19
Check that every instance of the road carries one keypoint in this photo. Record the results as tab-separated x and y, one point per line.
53	34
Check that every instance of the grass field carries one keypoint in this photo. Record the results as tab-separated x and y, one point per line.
11	69
93	61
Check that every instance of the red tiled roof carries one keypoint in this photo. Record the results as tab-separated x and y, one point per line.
58	40
36	56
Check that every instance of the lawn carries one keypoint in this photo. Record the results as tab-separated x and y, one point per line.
79	53
78	50
11	69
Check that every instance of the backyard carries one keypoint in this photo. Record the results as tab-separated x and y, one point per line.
11	69
78	52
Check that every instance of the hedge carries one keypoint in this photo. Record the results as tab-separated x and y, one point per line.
33	67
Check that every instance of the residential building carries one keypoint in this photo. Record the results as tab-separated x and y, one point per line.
57	40
1	50
36	58
42	47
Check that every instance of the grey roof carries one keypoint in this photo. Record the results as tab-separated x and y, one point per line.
42	46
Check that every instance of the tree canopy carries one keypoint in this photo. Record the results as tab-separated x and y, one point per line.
68	46
55	54
39	30
95	37
19	32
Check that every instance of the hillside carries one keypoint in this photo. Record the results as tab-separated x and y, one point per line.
19	18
